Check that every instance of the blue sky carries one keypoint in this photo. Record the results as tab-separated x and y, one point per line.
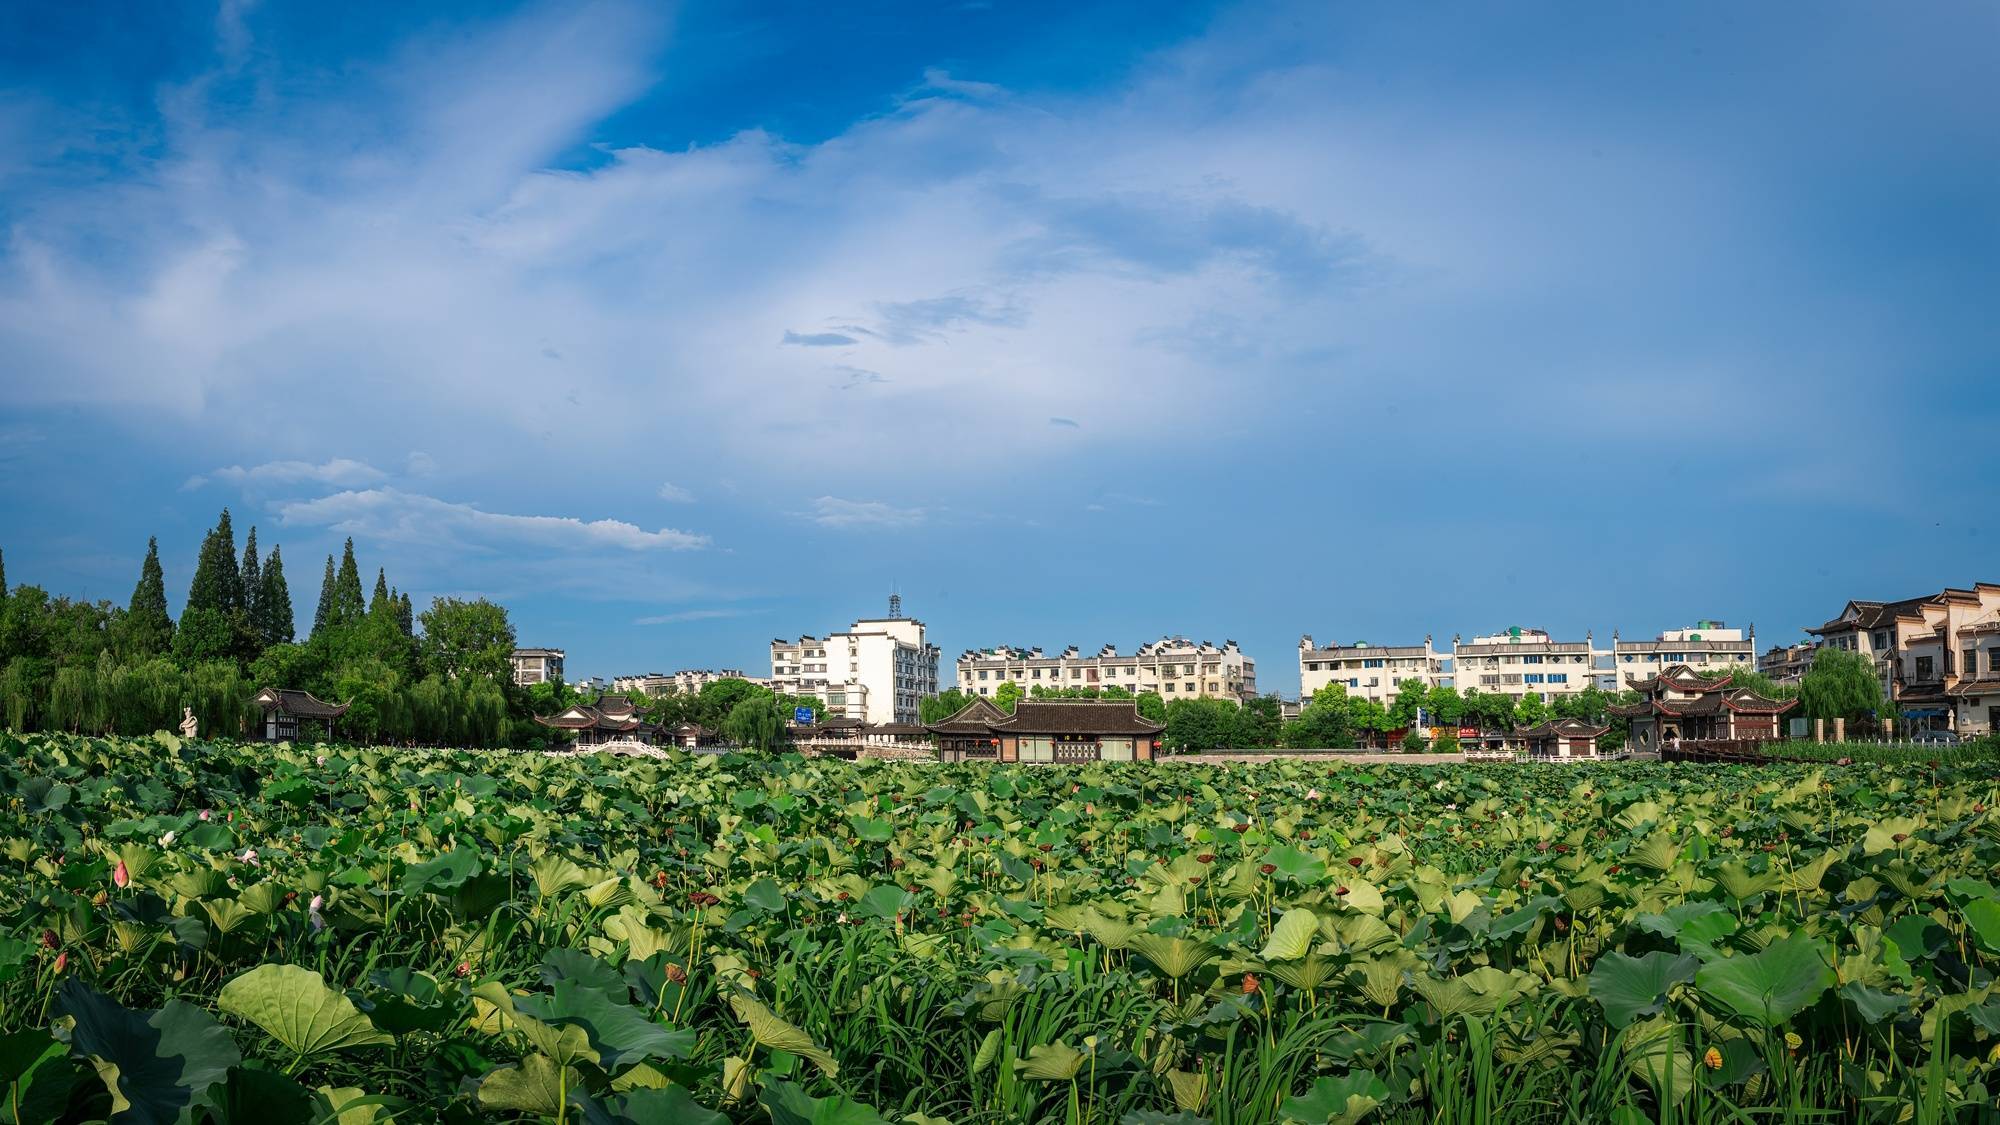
677	330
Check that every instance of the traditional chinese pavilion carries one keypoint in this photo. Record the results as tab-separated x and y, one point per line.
1561	738
610	719
1681	704
284	709
1067	730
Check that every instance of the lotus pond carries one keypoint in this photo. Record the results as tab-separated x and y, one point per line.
229	933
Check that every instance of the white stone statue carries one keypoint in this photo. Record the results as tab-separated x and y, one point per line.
188	724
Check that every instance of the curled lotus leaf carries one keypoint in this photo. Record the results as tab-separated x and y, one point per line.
773	1032
295	1006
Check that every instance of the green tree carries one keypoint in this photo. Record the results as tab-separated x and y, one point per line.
349	603
1412	696
1200	724
148	630
1152	707
1530	710
1367	717
1258	722
274	603
378	603
720	698
250	575
1324	722
1840	685
1741	676
326	612
461	638
1447	706
755	724
943	705
1009	693
210	625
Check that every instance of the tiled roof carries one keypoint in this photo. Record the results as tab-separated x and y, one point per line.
299	704
1988	685
976	717
1562	728
1078	716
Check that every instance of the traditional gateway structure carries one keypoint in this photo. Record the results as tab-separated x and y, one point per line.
609	721
1681	704
1069	730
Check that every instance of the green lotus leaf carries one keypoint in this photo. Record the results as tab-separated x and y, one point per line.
294	1006
773	1033
1873	1004
1174	956
157	1065
442	875
665	1105
619	1034
1294	865
1336	1101
1051	1062
1293	936
535	1085
1630	987
1771	986
1983	916
789	1104
1655	1051
36	1077
1882	835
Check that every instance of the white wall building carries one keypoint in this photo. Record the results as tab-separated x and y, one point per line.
1174	667
687	680
875	671
1520	661
537	665
1370	671
1706	646
1934	654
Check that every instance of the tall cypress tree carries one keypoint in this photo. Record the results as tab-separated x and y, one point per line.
274	602
349	601
325	614
406	617
379	601
252	578
208	626
150	629
3	574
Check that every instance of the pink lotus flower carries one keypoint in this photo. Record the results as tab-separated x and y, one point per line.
204	814
167	840
1312	794
313	914
249	856
120	876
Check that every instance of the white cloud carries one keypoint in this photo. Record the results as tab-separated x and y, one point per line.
420	463
686	615
338	471
390	515
832	511
674	494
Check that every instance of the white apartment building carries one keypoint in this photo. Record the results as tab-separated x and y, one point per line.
1934	654
688	680
537	665
1174	667
875	671
1705	646
1370	671
1521	662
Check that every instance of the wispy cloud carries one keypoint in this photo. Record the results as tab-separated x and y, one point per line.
858	377
674	494
686	615
818	339
1069	423
391	515
832	511
338	471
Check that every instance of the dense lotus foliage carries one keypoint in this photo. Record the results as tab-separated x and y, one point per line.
218	932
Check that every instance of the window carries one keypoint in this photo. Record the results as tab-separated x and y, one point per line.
1532	678
1170	687
1993	660
1371	664
982	673
1190	687
1313	667
1558	677
1489	681
1356	682
1076	673
1038	673
1531	660
1971	663
1926	668
1881	639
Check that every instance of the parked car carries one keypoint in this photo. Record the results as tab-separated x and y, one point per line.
1935	738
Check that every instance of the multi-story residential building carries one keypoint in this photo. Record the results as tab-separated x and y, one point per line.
1174	667
875	671
1786	664
1976	695
537	665
1521	661
1921	648
687	680
1707	645
1373	672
